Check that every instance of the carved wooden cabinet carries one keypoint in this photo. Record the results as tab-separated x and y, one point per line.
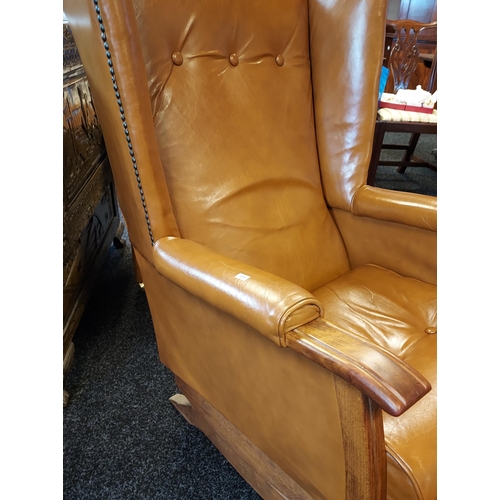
91	219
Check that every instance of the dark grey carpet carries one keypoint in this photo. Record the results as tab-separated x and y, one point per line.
122	437
415	179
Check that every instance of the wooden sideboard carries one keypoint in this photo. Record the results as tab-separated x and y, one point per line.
91	221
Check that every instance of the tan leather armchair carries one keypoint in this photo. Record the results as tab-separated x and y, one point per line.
295	304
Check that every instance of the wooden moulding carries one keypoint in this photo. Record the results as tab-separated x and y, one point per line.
363	443
391	383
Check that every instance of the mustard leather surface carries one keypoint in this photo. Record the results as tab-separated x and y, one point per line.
397	313
271	213
412	209
380	305
346	55
271	305
407	250
411	439
285	404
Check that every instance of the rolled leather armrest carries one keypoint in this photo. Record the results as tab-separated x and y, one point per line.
268	303
395	206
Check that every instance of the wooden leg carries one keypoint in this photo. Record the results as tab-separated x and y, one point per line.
378	140
364	445
409	152
265	477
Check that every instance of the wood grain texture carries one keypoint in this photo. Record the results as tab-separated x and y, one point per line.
363	442
265	477
391	383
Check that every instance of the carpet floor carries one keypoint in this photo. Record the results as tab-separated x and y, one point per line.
414	179
122	437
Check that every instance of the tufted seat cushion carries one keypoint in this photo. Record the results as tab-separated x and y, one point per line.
399	314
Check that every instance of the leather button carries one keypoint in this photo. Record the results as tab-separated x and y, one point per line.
177	58
280	60
233	59
430	330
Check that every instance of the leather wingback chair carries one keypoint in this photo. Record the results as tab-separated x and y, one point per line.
295	304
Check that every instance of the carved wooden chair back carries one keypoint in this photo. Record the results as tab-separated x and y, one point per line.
405	39
404	56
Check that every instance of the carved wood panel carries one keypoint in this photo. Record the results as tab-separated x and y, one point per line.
83	143
92	246
90	209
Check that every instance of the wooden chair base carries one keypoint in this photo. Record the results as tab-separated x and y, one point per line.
258	470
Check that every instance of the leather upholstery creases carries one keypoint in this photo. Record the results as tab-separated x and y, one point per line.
266	302
204	141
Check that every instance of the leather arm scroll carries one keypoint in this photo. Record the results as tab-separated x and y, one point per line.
412	209
268	303
390	382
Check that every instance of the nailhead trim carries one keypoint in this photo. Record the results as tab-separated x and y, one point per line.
122	116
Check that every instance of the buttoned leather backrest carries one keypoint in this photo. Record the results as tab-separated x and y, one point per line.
231	97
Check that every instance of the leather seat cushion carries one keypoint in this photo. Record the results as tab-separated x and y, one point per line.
394	312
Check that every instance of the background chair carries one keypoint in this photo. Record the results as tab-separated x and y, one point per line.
295	304
424	11
410	48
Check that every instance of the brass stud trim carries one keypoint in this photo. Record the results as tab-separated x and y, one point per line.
122	116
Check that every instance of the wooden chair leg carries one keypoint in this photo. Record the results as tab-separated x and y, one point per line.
378	141
409	152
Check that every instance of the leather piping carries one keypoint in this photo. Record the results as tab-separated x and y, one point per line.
407	471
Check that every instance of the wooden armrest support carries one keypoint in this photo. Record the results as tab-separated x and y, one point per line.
390	382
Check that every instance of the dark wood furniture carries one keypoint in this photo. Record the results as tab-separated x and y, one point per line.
405	39
90	211
409	159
